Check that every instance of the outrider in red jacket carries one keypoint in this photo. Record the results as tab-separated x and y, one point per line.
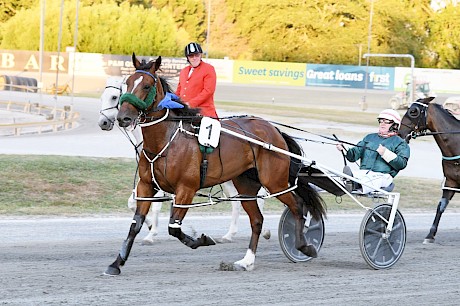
198	89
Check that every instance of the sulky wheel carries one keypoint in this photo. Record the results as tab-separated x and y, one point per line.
313	232
380	251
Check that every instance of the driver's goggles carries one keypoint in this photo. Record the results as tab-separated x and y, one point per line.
386	121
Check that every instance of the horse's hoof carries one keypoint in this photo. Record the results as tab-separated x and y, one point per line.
206	240
309	250
229	236
428	241
266	234
112	271
146	241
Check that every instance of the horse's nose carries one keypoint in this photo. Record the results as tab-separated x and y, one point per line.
105	125
124	122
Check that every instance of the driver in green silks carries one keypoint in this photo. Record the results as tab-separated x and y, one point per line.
382	155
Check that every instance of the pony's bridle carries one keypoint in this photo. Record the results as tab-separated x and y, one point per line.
111	107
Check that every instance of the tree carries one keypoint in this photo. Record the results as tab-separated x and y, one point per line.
103	28
444	40
314	31
9	8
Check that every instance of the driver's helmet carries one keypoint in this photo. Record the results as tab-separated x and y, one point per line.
192	48
392	115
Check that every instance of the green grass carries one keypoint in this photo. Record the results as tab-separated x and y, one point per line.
74	186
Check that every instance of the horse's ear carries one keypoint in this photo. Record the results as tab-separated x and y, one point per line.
425	100
158	63
136	62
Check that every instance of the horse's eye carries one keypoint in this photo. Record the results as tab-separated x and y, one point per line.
147	87
114	98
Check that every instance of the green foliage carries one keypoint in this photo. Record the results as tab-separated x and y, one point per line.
9	8
445	38
132	28
189	16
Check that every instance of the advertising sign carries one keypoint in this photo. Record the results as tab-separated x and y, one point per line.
121	65
273	73
347	76
30	61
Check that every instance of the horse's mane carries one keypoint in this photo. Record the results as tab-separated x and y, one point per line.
145	66
186	111
445	112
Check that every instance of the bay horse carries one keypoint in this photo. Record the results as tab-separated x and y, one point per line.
425	115
110	98
172	161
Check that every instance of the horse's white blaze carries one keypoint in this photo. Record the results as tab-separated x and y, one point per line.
136	83
248	261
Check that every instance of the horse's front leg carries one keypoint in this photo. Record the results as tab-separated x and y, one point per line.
177	216
256	219
442	205
136	225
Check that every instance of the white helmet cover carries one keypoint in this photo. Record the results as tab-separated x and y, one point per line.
392	115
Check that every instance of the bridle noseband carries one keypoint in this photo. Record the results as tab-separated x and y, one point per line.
142	105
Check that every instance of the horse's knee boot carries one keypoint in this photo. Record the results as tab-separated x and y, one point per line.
137	222
443	205
174	228
175	231
136	226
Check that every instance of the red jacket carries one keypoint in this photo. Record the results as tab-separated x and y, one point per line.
198	90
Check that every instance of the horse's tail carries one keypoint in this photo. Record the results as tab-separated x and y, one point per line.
312	200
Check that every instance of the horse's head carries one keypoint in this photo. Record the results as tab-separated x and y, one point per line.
143	92
109	103
414	120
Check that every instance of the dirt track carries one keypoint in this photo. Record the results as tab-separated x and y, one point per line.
62	268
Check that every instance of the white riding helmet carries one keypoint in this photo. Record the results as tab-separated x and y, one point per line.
392	115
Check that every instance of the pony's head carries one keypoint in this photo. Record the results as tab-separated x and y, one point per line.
109	103
143	92
414	120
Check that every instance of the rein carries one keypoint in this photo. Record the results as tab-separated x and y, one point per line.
335	139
